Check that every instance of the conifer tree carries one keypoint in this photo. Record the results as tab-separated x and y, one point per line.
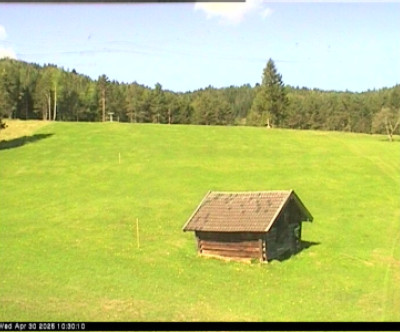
269	105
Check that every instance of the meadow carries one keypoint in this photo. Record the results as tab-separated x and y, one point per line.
71	194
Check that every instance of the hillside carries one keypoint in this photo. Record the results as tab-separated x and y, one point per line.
71	194
30	91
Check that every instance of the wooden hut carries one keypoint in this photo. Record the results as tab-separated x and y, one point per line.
262	225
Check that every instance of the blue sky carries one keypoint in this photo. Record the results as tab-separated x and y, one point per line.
187	46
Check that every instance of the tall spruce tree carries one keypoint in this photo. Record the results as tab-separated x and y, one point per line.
268	108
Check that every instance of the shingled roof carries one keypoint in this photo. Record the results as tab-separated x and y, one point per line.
241	211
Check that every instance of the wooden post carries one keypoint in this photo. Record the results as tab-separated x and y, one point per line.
137	232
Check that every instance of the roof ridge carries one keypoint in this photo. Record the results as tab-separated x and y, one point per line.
251	191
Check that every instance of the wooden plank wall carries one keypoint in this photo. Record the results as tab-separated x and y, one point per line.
242	249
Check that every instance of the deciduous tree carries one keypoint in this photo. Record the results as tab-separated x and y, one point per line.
387	120
102	85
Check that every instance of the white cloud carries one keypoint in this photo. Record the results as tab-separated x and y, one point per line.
3	34
232	12
266	13
6	52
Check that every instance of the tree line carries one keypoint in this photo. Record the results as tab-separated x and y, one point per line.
31	91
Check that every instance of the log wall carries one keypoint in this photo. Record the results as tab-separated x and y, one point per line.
233	245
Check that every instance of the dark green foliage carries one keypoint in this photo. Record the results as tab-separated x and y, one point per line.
269	105
211	108
158	106
29	91
116	102
10	89
102	87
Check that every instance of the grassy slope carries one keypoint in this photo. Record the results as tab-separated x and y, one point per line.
69	208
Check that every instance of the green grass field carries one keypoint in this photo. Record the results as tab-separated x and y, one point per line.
71	193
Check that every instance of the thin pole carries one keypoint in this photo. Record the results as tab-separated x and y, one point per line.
119	157
137	232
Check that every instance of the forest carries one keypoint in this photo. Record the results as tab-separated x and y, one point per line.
48	92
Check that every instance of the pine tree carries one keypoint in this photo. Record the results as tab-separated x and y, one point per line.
269	105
